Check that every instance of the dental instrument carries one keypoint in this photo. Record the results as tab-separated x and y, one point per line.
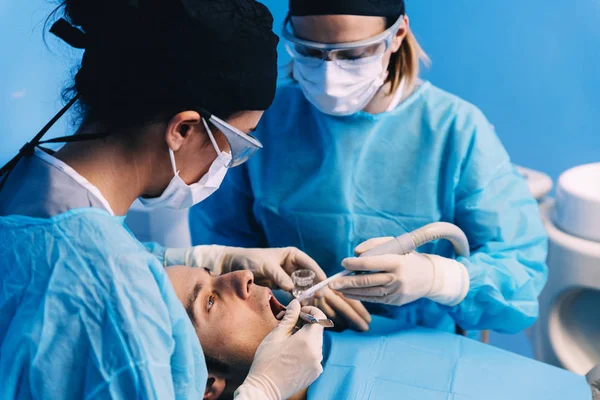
309	319
325	323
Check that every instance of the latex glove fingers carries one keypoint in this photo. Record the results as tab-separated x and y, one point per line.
295	259
273	267
371	292
209	256
404	278
314	311
348	311
390	293
286	363
289	320
322	304
388	262
361	281
358	307
370	244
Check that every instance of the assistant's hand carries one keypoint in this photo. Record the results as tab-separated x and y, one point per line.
271	267
342	311
403	279
285	364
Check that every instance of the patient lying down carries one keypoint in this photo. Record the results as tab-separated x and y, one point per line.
232	316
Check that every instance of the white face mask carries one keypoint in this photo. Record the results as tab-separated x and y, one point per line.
178	195
340	87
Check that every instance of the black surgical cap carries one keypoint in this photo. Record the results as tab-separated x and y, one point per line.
375	8
238	52
216	54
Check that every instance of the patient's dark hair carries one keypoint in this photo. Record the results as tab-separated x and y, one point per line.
215	365
219	367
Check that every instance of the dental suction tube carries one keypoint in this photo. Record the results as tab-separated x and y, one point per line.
409	242
405	244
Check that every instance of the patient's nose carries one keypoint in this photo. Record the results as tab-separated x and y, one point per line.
242	281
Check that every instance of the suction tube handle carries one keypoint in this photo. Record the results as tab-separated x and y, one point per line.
409	242
401	245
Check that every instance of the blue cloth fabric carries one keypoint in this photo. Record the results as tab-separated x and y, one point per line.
425	364
157	250
325	184
87	312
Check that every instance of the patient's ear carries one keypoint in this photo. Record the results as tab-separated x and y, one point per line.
215	386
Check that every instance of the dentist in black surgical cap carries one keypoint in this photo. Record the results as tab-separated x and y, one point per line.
167	94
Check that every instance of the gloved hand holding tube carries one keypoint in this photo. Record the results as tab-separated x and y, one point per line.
286	362
399	275
402	279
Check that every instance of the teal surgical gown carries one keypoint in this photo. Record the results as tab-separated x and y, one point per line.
424	364
86	311
326	184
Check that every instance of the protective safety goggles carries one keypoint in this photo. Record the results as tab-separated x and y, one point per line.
315	53
242	145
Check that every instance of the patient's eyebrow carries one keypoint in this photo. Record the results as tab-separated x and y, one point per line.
190	306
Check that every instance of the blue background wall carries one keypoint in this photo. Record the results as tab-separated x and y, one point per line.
31	74
532	66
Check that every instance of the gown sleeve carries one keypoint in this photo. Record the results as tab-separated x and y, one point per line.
227	217
508	242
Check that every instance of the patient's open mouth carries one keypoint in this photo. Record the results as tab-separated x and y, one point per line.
276	306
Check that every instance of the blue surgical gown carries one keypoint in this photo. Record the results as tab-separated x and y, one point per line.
424	364
85	310
325	184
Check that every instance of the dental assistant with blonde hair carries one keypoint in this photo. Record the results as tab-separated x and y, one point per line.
373	152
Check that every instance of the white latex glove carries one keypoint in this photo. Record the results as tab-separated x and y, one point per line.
403	279
343	311
271	267
285	364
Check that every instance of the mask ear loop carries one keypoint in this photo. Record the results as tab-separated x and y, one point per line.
212	138
172	156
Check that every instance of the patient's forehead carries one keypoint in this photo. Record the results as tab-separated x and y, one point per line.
184	279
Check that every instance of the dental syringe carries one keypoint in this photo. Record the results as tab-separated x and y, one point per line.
404	244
